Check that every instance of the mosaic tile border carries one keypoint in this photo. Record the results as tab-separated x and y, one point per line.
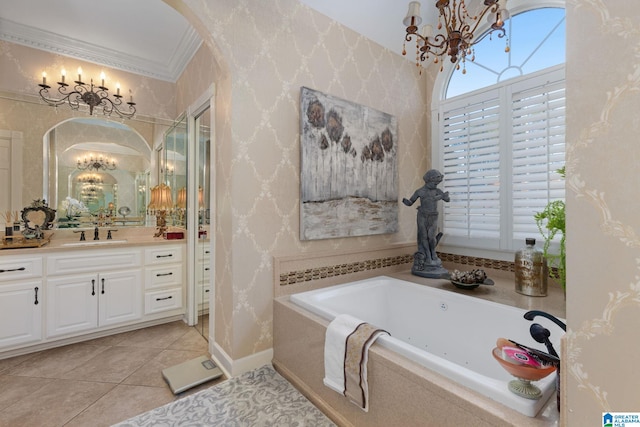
307	275
310	274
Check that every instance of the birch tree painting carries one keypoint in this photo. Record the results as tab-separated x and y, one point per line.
348	168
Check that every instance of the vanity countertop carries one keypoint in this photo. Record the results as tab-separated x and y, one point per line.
69	240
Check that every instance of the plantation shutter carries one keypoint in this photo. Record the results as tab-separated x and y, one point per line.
471	167
538	147
499	152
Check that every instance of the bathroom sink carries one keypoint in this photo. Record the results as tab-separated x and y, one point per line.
94	243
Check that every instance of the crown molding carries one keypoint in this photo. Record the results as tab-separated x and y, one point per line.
43	40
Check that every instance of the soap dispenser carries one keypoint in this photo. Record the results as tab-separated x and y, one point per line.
531	270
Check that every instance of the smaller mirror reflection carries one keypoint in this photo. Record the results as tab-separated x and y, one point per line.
98	173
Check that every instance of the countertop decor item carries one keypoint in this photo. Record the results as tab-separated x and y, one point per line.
551	222
470	279
523	365
37	218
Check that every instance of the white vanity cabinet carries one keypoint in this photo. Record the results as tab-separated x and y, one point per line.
21	296
93	289
164	280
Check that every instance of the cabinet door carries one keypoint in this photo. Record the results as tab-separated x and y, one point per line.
21	311
120	297
72	304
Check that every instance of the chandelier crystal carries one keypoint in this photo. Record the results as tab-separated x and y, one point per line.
88	94
458	27
96	163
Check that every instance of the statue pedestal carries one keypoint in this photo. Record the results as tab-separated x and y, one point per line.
431	272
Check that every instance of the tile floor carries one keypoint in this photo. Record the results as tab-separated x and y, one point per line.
98	382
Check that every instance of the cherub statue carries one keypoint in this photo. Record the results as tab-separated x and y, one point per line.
426	262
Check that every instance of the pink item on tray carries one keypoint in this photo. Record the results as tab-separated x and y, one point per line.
519	356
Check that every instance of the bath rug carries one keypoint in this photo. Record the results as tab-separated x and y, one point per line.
259	398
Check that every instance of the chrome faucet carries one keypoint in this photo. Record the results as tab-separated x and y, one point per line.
96	234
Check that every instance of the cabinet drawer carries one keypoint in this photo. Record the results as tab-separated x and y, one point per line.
157	301
163	276
14	268
163	255
93	260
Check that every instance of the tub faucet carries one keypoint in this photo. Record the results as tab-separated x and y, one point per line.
530	315
541	335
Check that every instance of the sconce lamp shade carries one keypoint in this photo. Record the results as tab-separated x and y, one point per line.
413	15
164	201
160	198
200	197
182	198
154	199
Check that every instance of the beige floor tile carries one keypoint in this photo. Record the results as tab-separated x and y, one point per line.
191	340
6	364
150	374
160	336
77	382
14	389
54	404
113	365
56	362
121	403
110	340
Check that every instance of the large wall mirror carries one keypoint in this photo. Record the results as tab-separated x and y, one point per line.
96	171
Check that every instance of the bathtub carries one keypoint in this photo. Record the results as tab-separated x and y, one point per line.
450	333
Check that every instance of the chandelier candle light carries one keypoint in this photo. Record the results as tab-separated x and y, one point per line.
96	163
459	26
88	94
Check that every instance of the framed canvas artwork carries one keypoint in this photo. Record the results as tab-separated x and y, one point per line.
349	171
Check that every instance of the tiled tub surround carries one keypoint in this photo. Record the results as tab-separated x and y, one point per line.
402	392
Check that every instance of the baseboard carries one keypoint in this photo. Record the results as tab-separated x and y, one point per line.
231	367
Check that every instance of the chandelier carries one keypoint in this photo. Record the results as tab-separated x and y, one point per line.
96	163
88	94
90	178
459	26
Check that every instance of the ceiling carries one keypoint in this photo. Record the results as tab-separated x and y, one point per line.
126	35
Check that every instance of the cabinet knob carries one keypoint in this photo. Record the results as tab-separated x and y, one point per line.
36	292
164	298
102	292
93	287
164	274
164	256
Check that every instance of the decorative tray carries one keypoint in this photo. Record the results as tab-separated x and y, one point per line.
469	279
461	285
21	242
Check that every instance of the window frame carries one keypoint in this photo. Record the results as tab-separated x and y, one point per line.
505	247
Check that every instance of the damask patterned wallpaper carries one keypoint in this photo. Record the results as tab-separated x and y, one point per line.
603	198
265	52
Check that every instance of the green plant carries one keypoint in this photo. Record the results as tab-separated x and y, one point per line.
551	222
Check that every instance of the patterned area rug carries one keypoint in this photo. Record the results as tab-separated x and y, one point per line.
257	398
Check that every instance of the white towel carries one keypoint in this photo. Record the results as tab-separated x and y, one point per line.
346	350
335	346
